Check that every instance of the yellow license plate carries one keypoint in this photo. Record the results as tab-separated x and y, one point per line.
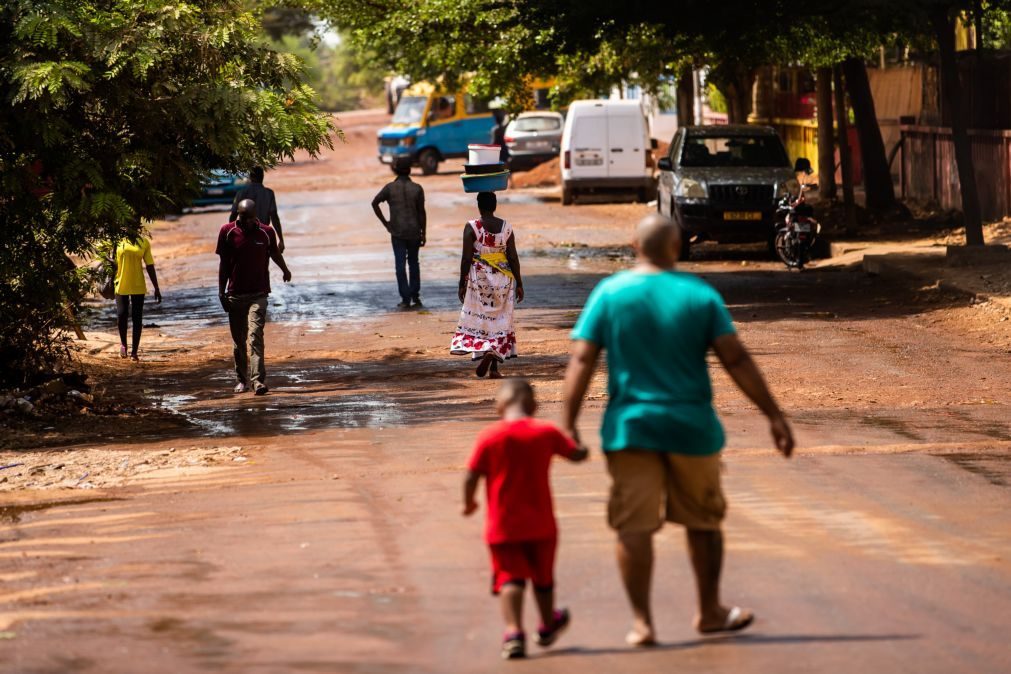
742	215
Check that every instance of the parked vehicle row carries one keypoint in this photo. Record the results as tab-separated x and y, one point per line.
730	184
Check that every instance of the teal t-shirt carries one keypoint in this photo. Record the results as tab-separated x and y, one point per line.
656	330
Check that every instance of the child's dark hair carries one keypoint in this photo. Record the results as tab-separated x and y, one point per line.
486	202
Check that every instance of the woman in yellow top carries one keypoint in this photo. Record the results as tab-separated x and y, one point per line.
131	258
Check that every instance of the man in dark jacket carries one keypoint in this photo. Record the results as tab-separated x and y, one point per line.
266	204
406	225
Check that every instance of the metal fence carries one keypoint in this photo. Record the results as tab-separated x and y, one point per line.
929	172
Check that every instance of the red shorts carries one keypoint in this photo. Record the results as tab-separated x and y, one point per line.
516	562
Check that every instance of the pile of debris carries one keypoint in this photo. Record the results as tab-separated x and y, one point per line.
61	395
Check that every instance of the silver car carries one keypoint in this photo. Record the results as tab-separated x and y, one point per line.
722	183
533	138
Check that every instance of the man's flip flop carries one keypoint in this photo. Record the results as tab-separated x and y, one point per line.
637	639
737	620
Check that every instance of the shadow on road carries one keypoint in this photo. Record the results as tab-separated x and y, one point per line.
736	640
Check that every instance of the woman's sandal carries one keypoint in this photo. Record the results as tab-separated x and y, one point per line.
122	351
486	362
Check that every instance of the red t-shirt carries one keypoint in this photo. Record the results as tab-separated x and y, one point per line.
248	255
514	458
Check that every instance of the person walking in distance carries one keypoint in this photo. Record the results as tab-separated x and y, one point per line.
245	247
407	226
660	433
490	287
132	256
266	203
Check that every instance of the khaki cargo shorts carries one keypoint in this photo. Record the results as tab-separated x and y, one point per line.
649	488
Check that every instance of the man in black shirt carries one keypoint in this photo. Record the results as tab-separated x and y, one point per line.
266	205
406	225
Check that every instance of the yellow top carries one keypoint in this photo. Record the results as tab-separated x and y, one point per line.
131	256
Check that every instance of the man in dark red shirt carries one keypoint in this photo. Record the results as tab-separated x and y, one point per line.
245	247
514	456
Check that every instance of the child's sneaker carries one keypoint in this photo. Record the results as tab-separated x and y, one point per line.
549	635
514	646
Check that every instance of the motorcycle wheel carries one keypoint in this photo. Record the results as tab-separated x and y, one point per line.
786	249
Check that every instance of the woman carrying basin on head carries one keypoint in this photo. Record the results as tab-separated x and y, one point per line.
490	286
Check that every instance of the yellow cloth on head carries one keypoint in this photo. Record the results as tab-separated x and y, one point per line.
131	258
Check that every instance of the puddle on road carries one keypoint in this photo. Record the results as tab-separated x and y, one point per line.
270	416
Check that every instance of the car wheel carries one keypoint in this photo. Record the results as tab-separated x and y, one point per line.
568	196
428	160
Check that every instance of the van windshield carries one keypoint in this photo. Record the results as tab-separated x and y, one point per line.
744	150
410	110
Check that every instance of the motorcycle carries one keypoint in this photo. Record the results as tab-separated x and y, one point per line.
797	229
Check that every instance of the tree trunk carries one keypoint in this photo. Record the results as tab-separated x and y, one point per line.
944	31
739	94
845	160
685	98
826	137
877	177
762	103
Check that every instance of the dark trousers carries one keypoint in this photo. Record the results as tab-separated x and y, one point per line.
247	315
405	254
130	306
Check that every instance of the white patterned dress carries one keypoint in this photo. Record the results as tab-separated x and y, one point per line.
486	320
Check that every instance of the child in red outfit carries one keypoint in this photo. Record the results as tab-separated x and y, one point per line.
514	456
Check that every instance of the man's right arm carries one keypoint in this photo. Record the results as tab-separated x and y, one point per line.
745	373
224	271
582	362
380	198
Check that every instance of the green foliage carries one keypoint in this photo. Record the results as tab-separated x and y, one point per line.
112	111
344	76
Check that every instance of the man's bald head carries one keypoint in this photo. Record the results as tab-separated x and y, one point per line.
246	211
658	240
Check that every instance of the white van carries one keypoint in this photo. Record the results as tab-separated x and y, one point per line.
606	146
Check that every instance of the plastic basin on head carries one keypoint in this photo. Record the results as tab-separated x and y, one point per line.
483	154
490	182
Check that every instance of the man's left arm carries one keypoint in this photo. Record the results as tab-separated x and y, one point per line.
422	216
745	373
275	220
275	255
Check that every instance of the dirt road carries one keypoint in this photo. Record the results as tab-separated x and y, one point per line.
318	529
